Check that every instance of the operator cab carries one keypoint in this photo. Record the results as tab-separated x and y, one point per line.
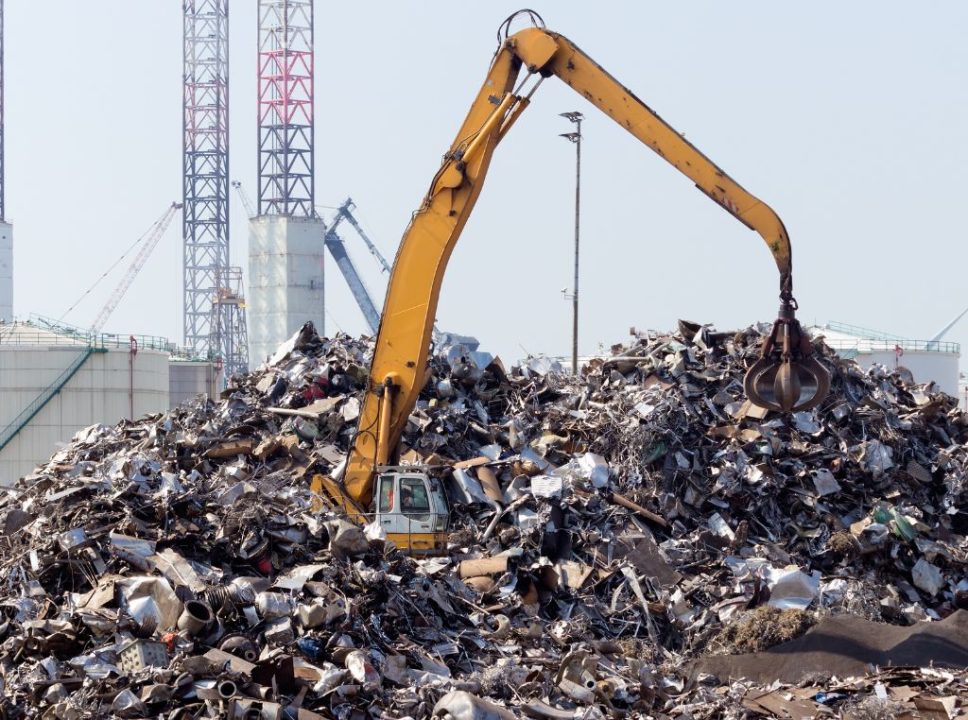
411	508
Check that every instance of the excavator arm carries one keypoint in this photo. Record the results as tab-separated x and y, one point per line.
596	85
400	360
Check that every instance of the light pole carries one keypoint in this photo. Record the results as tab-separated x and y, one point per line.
575	137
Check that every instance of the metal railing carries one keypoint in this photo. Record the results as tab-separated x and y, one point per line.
869	345
23	335
55	327
875	340
145	342
862	332
41	330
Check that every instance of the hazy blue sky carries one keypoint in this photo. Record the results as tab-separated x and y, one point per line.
849	119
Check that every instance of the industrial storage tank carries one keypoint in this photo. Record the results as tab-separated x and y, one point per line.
189	378
927	360
55	380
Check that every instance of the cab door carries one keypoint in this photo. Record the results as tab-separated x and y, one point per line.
388	510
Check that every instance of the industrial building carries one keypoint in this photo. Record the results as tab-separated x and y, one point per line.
53	383
927	360
188	378
285	280
55	380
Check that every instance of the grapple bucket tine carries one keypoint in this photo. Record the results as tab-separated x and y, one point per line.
787	377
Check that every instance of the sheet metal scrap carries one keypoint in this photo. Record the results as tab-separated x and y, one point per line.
611	532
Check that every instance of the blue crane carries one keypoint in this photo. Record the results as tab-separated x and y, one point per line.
337	248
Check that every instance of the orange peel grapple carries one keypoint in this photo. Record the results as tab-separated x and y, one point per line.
787	377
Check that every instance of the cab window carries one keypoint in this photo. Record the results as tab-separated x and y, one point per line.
386	493
413	497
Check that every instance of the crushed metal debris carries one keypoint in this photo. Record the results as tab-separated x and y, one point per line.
609	532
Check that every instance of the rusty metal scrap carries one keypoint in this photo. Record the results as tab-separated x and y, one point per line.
613	534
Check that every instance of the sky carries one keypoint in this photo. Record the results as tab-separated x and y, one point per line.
849	119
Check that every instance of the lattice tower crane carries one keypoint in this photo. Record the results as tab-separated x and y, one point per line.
149	244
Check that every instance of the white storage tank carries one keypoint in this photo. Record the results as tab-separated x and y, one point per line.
54	382
928	360
189	378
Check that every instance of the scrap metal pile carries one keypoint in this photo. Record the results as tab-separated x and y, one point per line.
639	541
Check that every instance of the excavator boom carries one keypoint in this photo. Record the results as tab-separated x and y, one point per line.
596	85
399	367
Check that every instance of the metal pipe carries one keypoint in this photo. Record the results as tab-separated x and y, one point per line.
574	326
132	351
195	617
497	116
498	514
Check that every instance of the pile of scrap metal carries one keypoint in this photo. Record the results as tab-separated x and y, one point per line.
637	541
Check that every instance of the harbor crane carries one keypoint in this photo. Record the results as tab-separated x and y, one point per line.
147	246
337	248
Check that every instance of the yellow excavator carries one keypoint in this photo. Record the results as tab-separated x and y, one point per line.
409	504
